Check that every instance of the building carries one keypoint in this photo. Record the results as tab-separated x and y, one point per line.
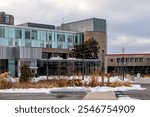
6	19
20	45
90	28
33	43
128	63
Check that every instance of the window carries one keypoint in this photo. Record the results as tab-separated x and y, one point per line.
147	59
131	59
140	59
42	44
27	34
10	42
28	43
122	59
76	39
16	43
70	38
118	60
112	60
50	37
59	46
136	59
127	59
61	37
34	34
18	33
2	32
48	46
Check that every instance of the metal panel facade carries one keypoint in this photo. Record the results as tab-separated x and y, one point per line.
7	52
30	53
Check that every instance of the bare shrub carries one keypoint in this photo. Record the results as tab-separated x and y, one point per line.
4	84
94	80
119	84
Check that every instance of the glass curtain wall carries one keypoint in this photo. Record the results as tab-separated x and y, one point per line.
33	37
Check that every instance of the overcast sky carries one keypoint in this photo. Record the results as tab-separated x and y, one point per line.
128	21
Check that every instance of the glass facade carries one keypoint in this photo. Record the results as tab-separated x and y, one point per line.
32	37
35	37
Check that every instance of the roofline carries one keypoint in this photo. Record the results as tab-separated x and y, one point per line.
83	20
145	54
42	29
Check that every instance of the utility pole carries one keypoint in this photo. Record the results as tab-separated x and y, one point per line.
123	60
103	66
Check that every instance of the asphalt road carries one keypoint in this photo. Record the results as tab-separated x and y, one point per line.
41	96
140	94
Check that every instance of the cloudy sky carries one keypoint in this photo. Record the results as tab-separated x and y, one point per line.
128	21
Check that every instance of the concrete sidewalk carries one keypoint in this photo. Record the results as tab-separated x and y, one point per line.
142	81
100	96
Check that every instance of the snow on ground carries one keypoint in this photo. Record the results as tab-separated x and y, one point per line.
126	98
87	80
72	89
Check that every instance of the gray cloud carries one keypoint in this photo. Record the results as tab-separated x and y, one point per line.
128	20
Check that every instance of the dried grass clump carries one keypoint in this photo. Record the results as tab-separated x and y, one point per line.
119	84
4	75
94	80
147	76
4	84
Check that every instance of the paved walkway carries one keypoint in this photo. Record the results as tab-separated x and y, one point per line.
100	96
142	81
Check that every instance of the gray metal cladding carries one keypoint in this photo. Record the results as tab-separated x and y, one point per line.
30	53
20	53
7	52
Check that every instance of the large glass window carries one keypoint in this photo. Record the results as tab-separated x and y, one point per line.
76	39
2	32
48	45
34	34
49	37
42	44
61	37
27	34
18	33
28	43
70	38
59	46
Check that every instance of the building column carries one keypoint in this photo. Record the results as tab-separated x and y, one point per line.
11	67
106	65
18	68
